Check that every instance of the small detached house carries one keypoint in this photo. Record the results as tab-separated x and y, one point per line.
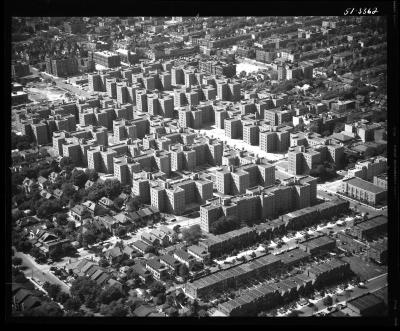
29	185
150	239
143	311
88	184
80	212
109	222
142	272
46	195
42	182
141	246
106	202
170	262
184	258
123	219
94	209
158	270
57	193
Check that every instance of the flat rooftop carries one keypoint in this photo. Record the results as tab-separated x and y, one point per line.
363	184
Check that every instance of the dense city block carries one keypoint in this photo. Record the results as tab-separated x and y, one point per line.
199	166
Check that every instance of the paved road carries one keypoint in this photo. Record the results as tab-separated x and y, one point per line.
40	272
373	284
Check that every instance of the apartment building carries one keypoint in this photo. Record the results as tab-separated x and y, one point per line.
275	139
107	59
368	169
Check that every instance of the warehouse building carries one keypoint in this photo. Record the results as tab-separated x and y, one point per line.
362	190
367	305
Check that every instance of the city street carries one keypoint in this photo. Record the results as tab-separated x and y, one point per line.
40	273
370	286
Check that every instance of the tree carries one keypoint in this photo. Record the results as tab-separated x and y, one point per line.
159	299
112	188
115	308
45	309
20	142
73	303
16	261
62	297
121	231
92	175
48	208
202	313
133	203
68	190
24	246
66	161
118	202
89	238
156	288
172	312
183	271
56	253
71	225
79	178
109	294
62	218
327	301
176	228
52	289
225	224
103	263
84	288
20	278
192	235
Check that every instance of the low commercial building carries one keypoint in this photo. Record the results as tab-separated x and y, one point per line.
367	305
363	191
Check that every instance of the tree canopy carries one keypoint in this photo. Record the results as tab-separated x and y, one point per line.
192	234
225	224
84	288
